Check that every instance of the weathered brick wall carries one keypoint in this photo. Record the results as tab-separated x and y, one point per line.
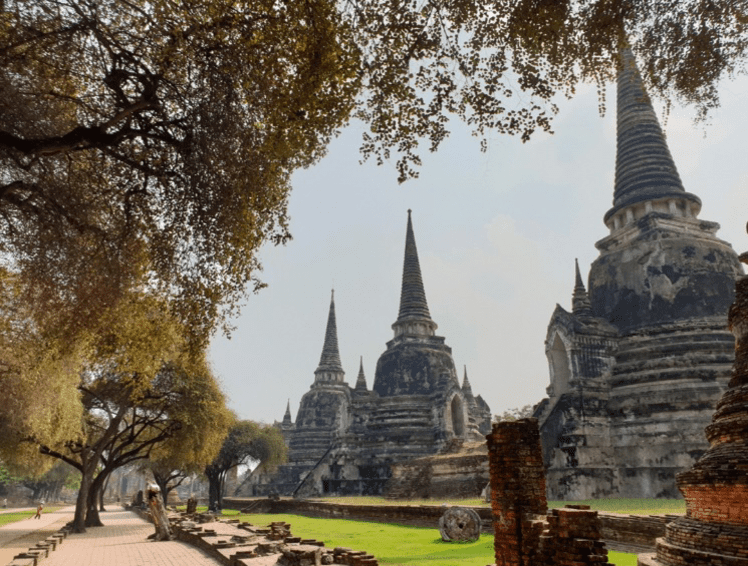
517	490
572	538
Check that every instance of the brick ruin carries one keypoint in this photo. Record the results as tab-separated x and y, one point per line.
714	530
525	533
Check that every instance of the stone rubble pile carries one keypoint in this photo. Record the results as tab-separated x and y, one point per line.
235	543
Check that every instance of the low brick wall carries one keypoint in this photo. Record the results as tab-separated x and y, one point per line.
413	515
635	530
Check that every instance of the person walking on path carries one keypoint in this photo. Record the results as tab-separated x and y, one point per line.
39	511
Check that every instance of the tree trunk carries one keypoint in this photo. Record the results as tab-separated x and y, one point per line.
104	487
81	504
92	514
162	481
160	519
214	491
94	493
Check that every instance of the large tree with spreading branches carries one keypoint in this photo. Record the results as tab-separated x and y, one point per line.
138	388
156	139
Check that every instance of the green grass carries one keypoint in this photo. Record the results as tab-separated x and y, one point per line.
369	500
417	546
6	518
396	544
625	506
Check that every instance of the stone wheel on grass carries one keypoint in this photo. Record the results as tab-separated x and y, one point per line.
460	524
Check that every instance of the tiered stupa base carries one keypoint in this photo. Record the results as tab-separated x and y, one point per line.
714	531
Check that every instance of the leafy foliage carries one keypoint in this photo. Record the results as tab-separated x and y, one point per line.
499	65
154	140
246	443
515	414
139	386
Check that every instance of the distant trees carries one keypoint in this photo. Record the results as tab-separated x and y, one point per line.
50	485
246	443
515	414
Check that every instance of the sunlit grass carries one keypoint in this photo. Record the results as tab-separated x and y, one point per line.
625	506
14	517
419	546
370	500
396	544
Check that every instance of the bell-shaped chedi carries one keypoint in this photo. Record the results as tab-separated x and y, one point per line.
715	528
416	362
638	365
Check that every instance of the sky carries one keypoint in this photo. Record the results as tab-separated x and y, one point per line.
497	235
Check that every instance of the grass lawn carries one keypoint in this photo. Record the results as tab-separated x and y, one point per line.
395	544
626	506
6	518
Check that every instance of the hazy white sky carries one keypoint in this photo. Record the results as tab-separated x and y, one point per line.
497	234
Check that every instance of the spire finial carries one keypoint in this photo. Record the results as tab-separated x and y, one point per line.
645	170
361	380
329	361
580	301
412	295
578	282
466	383
287	417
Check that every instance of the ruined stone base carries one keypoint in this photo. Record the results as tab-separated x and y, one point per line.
692	542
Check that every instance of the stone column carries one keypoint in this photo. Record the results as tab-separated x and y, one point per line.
518	501
715	528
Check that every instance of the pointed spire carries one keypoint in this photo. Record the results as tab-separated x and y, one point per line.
413	306
329	361
466	384
645	170
361	380
580	302
287	421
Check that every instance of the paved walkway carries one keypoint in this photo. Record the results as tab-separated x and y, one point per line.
20	536
123	541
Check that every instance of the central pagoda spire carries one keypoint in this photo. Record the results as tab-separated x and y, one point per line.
414	317
330	369
646	178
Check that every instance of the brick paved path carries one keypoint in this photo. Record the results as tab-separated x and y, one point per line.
20	536
122	541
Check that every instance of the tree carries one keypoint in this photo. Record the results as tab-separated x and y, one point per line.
49	486
171	467
140	387
514	414
247	442
158	137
